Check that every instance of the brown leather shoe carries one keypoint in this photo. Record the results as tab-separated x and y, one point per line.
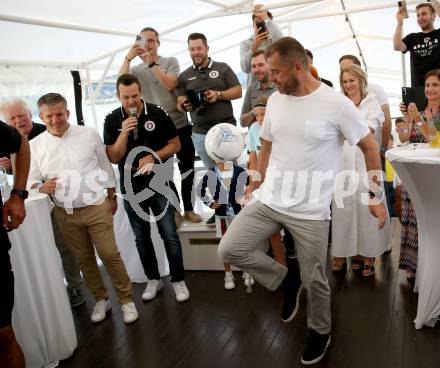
193	217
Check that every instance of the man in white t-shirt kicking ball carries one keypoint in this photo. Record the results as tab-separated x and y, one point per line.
302	137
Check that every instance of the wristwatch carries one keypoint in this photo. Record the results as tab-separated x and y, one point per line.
219	95
22	193
152	64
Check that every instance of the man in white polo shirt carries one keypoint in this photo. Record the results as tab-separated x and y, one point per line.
69	163
302	136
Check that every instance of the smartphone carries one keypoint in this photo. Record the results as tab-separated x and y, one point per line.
141	40
403	8
261	26
416	95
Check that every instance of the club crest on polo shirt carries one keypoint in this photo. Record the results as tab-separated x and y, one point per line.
213	74
149	125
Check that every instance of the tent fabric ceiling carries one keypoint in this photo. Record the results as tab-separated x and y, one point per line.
26	45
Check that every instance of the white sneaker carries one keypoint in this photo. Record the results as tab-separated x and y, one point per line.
229	280
248	279
182	293
129	312
100	310
150	292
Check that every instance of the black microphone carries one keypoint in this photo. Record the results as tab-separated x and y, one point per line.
133	114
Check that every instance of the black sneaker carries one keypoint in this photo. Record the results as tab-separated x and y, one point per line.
315	347
292	288
76	297
211	221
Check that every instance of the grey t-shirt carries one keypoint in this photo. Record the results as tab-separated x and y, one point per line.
155	92
253	93
215	76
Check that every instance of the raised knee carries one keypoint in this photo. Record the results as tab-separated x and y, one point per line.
230	252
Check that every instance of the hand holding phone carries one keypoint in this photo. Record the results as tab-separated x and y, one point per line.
261	26
141	41
403	9
416	95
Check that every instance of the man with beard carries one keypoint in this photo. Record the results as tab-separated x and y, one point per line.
262	87
302	136
424	47
215	85
205	90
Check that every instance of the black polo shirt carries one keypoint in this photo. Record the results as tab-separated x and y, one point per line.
10	142
155	130
215	76
37	129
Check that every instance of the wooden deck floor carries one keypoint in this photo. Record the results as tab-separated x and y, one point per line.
372	327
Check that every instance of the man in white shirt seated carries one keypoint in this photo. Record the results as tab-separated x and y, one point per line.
69	163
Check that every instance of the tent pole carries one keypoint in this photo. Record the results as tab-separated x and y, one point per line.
101	81
403	70
345	12
92	103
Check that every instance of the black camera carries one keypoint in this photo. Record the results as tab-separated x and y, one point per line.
196	98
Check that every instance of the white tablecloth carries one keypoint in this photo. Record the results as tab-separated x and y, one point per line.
42	318
418	166
127	246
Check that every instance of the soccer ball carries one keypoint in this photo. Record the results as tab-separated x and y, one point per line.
224	142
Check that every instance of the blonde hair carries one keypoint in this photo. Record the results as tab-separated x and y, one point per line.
357	72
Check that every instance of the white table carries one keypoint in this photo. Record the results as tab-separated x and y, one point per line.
42	318
418	166
127	246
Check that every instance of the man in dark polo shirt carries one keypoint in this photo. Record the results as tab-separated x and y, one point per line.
13	214
18	115
424	47
158	77
263	86
212	83
141	138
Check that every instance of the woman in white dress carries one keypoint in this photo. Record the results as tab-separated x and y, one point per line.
354	230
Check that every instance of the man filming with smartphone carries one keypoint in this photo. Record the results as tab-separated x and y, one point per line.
424	46
265	33
158	78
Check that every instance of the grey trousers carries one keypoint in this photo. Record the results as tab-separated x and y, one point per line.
244	243
68	260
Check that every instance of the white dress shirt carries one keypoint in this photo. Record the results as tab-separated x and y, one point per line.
78	161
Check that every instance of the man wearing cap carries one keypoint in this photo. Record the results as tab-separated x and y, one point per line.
265	33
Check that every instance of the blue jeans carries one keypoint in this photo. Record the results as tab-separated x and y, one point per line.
199	145
168	232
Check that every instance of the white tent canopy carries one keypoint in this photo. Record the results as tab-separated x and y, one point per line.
43	41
